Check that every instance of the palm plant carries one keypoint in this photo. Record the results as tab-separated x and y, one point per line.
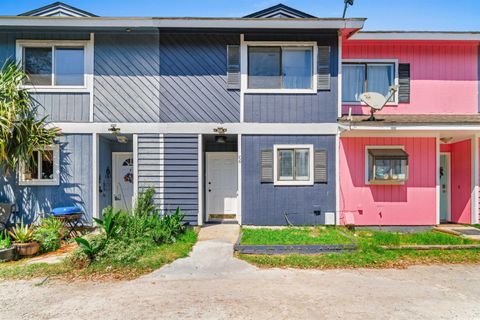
21	131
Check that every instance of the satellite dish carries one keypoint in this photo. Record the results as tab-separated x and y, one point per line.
376	101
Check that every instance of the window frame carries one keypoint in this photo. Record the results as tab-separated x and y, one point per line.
367	62
87	46
244	65
276	167
43	182
386	182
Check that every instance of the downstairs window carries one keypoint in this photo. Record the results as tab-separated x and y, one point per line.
387	165
42	169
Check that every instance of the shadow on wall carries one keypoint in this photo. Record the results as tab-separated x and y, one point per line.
33	202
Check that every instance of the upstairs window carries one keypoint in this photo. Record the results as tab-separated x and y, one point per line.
54	66
278	67
42	169
360	77
387	166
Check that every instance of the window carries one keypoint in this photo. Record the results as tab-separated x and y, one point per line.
277	67
42	169
387	165
54	66
362	77
293	164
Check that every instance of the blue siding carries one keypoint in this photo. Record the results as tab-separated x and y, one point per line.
63	107
126	78
75	182
150	171
193	83
265	204
296	108
181	175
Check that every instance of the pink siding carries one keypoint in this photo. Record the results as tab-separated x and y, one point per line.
461	181
443	73
410	204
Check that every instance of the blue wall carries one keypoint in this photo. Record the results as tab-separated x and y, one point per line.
265	204
294	108
75	182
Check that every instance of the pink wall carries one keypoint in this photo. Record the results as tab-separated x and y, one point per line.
410	204
443	73
461	181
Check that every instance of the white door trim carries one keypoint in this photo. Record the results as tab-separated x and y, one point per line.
206	180
449	184
114	170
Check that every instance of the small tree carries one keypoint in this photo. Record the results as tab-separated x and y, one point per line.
21	131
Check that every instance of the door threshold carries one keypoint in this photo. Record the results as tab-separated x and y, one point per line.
210	222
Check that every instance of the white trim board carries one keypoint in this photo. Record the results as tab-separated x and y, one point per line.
415	35
202	128
152	22
475	179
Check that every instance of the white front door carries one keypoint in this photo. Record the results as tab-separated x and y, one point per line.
221	185
122	180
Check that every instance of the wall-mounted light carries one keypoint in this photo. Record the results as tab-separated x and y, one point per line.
446	139
116	132
220	136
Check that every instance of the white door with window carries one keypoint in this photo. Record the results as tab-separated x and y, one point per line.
221	185
122	180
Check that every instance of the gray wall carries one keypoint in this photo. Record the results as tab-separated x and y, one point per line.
291	108
65	107
149	155
193	70
181	175
75	182
265	204
126	77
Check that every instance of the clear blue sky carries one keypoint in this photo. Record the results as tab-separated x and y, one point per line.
452	15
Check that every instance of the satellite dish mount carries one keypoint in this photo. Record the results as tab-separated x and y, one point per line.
377	101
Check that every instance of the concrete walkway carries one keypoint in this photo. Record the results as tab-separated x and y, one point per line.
211	257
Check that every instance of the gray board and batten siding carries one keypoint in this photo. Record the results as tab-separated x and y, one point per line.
60	107
296	108
74	189
266	204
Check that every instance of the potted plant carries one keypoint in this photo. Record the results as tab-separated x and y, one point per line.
23	237
7	251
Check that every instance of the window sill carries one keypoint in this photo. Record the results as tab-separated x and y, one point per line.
39	183
282	91
386	182
51	89
293	183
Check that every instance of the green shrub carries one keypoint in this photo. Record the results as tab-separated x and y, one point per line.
109	223
91	247
5	241
49	234
170	227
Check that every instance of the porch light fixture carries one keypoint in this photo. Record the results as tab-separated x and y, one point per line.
116	132
220	136
446	139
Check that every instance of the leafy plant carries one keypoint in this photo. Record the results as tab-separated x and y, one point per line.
144	204
6	242
90	248
170	227
22	233
109	223
21	130
49	234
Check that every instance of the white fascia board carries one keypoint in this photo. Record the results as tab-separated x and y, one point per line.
202	128
434	127
455	36
101	22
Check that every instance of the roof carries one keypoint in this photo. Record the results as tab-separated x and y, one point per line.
417	35
58	9
417	119
279	11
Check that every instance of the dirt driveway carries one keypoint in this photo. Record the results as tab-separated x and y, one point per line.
210	284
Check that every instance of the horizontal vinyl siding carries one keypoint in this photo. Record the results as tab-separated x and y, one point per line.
193	83
181	175
63	107
150	157
75	182
126	77
266	204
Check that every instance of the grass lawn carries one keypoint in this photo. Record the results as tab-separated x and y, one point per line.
370	253
151	259
317	235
